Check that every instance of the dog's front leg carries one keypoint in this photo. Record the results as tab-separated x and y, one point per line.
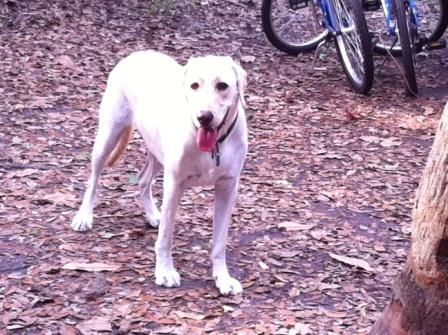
166	274
225	195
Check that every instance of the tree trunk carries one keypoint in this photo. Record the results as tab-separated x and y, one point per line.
419	302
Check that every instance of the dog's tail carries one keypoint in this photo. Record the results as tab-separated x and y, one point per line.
120	148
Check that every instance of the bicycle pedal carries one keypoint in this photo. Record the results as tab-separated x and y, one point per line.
371	5
298	4
440	44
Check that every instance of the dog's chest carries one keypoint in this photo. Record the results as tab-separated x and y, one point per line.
196	168
204	170
202	176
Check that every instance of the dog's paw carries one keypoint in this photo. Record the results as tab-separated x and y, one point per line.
153	219
167	277
228	285
82	221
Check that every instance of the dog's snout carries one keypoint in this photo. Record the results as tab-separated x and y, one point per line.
205	119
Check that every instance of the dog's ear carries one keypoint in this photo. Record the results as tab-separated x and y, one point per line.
241	81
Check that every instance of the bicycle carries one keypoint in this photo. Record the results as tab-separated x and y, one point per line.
407	32
286	24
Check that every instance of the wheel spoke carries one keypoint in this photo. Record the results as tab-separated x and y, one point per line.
350	37
357	58
292	30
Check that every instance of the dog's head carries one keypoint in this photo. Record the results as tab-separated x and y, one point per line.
214	87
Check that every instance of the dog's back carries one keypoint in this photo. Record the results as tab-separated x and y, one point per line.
148	77
150	84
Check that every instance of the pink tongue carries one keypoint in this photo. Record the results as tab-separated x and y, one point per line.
206	139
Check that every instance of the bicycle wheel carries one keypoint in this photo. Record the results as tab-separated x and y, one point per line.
432	29
433	15
293	26
354	44
407	33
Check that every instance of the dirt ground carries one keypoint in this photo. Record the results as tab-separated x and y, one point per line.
329	175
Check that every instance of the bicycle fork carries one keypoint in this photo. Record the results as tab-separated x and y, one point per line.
388	9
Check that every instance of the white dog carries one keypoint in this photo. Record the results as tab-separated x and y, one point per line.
192	120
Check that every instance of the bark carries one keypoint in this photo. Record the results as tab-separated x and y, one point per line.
419	303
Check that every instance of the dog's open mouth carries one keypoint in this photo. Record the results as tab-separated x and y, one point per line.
206	138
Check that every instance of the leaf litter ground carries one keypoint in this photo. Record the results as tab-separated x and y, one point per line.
322	223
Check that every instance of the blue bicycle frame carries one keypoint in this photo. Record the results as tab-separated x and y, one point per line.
327	7
388	7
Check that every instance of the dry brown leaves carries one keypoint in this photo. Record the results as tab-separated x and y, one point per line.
328	173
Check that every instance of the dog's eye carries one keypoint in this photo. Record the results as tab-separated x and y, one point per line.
194	86
221	86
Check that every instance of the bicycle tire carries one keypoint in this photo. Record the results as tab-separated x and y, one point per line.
442	23
433	36
361	79
407	49
281	42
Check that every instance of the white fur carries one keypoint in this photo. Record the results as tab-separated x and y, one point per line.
153	93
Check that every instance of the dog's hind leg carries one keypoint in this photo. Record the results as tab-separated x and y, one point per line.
146	176
114	123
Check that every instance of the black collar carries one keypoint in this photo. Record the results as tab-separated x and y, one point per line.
224	136
215	152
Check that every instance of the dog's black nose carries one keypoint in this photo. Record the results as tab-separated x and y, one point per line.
205	119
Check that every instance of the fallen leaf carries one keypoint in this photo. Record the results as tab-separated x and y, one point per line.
67	330
123	309
263	265
95	324
91	267
248	59
21	173
391	167
227	308
194	316
164	330
352	261
378	246
357	157
66	61
323	198
318	234
15	326
237	313
300	329
332	314
59	198
108	235
370	139
294	292
325	286
40	102
5	318
292	226
288	253
428	110
390	142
